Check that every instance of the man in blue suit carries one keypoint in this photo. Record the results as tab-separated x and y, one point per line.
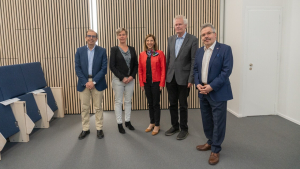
91	68
212	68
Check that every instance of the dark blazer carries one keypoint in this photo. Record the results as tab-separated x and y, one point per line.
219	70
99	69
182	66
118	64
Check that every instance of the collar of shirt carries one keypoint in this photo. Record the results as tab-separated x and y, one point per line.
182	36
149	52
89	48
211	47
122	51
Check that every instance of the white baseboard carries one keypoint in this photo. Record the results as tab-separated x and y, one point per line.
234	113
279	114
288	118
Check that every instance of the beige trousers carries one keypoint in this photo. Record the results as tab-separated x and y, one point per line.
97	97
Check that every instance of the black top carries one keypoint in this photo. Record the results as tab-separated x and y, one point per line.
148	70
118	64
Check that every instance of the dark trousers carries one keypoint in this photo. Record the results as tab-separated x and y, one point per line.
214	121
178	92
153	96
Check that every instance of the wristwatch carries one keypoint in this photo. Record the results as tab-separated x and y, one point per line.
94	82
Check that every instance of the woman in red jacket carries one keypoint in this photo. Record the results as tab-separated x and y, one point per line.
152	74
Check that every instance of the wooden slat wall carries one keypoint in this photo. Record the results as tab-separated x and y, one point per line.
141	17
46	31
50	31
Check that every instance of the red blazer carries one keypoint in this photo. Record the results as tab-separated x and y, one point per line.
158	68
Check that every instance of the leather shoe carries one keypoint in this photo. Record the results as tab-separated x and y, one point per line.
171	131
213	158
129	126
83	134
155	132
148	130
100	134
182	135
121	129
204	147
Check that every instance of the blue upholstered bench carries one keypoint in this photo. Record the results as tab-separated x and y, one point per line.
31	107
15	124
8	125
17	119
19	80
8	122
13	85
35	79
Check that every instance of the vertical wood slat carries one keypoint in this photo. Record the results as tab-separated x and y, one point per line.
151	16
46	31
51	31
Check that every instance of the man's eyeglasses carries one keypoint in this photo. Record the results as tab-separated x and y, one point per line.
91	36
208	33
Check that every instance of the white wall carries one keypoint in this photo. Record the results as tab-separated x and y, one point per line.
233	33
289	86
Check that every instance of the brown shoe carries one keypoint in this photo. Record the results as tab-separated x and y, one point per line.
213	158
204	147
148	130
154	133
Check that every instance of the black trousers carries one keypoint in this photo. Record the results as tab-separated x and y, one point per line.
153	96
178	92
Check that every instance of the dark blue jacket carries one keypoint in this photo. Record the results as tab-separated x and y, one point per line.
219	70
99	69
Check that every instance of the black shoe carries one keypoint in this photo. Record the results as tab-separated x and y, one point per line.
121	129
128	125
100	134
83	134
182	135
171	131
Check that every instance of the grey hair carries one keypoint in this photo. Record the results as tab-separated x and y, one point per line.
119	30
208	25
185	21
91	30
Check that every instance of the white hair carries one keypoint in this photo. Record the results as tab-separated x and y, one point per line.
185	21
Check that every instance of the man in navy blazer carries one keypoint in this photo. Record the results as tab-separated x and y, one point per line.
91	68
212	68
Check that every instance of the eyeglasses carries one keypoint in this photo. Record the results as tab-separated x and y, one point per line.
208	33
91	36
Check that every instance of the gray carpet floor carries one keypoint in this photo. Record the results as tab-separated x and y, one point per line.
253	142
